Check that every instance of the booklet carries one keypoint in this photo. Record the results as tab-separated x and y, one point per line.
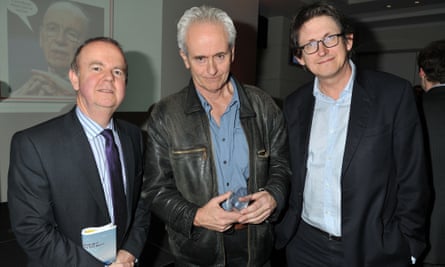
100	242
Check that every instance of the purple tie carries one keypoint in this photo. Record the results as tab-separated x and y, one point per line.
117	185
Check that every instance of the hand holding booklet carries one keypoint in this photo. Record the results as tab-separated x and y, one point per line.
100	242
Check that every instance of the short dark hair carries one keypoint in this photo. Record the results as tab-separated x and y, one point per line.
311	11
432	60
74	62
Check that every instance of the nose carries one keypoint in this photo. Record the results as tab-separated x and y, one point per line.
322	50
211	66
60	36
108	75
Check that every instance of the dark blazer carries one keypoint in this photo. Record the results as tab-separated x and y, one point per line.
54	190
434	113
383	174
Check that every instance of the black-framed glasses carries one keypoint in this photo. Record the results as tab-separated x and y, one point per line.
329	41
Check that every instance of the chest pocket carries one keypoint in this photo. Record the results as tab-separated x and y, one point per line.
189	167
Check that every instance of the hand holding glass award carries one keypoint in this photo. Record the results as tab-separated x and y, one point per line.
233	202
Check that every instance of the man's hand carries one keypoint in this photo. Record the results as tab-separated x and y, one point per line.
43	83
261	206
213	217
124	259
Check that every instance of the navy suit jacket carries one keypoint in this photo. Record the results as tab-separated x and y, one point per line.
54	190
383	179
434	115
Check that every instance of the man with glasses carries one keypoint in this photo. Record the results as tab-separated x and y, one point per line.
63	28
358	194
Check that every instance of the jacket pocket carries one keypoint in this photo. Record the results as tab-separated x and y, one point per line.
202	250
189	166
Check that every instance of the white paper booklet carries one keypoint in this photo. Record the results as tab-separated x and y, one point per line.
100	242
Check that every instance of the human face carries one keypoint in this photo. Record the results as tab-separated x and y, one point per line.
209	56
100	79
64	27
326	62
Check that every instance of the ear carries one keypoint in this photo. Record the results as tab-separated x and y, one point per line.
74	79
300	60
421	72
184	59
233	54
349	41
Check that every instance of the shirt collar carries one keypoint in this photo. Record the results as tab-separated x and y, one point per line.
91	128
233	103
347	91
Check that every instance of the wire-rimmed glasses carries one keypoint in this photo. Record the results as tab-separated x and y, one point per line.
329	42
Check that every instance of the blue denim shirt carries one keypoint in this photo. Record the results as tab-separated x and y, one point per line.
229	146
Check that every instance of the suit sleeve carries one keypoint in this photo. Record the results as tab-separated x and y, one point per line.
139	227
412	196
279	170
30	204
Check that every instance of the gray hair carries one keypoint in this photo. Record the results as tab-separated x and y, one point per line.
204	14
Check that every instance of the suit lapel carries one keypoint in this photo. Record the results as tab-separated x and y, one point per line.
358	120
307	112
82	156
128	160
299	115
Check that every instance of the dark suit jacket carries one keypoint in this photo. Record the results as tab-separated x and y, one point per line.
54	190
434	114
383	174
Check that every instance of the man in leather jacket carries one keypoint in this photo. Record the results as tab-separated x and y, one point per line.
215	138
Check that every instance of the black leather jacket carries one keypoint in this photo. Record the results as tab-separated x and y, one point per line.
180	175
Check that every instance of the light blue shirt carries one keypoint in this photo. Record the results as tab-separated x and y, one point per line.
322	189
97	143
229	145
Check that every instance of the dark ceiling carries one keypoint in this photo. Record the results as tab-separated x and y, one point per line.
375	12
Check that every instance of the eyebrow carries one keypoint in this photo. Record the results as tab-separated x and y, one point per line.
214	55
95	62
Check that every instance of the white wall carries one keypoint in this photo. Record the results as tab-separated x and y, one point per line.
138	27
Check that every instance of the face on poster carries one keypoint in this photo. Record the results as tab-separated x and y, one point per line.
41	39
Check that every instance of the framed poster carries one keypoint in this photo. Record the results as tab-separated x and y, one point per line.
41	37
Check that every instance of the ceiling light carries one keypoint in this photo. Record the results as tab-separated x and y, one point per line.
388	6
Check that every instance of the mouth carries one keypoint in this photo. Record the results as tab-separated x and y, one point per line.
326	61
105	90
57	53
213	79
